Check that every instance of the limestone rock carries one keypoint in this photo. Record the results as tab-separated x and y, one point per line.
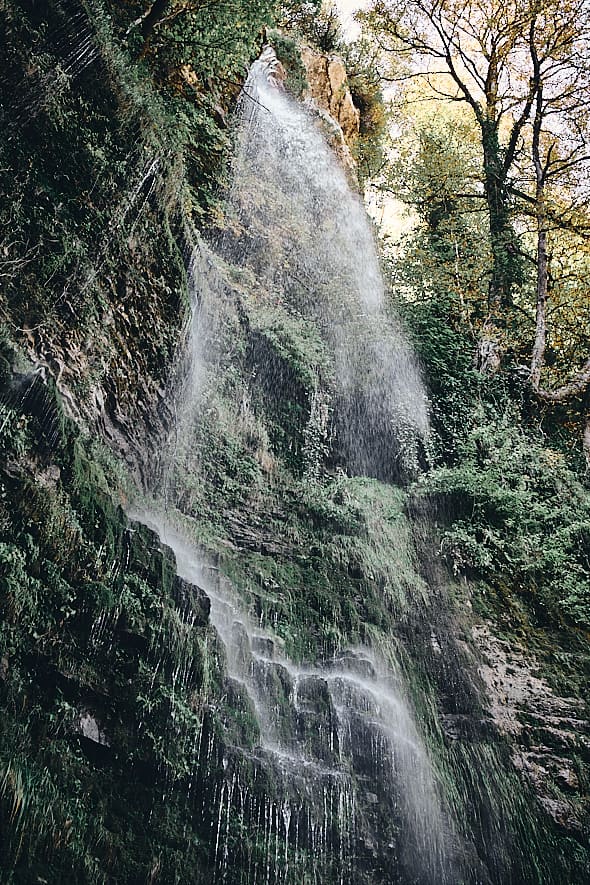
328	86
90	728
275	72
329	94
546	731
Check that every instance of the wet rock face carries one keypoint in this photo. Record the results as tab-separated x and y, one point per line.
192	599
330	94
111	239
328	86
549	734
275	72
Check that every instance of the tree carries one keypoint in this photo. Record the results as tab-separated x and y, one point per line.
494	57
148	21
207	36
560	155
556	153
436	172
522	70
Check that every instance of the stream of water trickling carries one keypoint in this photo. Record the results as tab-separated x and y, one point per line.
337	783
348	764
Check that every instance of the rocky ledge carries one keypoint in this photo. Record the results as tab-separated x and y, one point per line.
549	734
329	93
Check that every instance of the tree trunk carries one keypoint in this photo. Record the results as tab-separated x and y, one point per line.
538	354
581	381
575	387
586	443
506	263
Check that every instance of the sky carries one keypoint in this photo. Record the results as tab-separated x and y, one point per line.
390	215
347	8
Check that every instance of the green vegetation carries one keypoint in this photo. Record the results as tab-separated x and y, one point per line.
117	723
289	54
94	627
508	476
144	121
362	67
519	510
515	72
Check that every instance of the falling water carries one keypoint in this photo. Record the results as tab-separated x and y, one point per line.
326	767
296	223
346	788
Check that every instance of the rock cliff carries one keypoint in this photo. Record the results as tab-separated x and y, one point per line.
129	750
328	91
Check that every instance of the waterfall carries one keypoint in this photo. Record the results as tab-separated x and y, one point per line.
346	783
296	223
326	766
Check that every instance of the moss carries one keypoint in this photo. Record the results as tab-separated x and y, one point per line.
289	54
94	623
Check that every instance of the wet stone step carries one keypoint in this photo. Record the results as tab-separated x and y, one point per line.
239	715
193	599
272	677
239	650
263	646
368	748
313	693
347	693
317	720
356	663
273	686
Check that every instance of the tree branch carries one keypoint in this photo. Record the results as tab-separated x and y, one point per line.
575	387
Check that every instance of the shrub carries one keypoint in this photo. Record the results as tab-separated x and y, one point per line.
516	513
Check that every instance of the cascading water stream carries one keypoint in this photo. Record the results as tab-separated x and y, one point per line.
336	780
347	763
296	223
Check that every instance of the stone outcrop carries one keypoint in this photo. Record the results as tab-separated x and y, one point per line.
546	731
329	93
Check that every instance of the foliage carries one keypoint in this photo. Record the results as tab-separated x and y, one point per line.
216	41
317	22
517	515
93	623
442	266
519	72
446	253
445	349
364	81
289	54
568	307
